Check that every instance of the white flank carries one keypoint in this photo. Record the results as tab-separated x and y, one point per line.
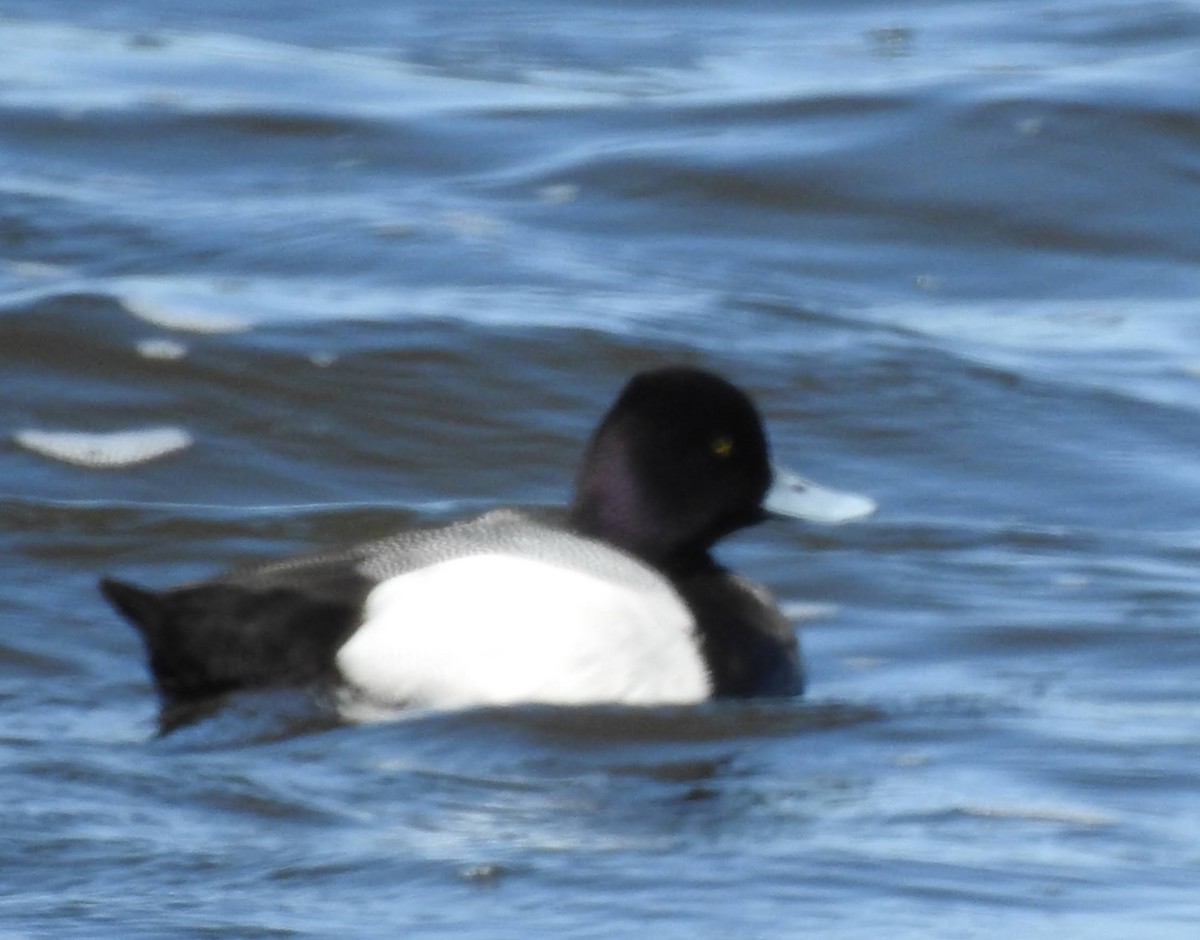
118	449
521	630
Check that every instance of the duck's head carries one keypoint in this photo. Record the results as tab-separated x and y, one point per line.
680	461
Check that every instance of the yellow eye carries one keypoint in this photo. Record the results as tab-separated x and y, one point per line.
722	446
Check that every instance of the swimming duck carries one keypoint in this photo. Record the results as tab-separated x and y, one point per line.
614	598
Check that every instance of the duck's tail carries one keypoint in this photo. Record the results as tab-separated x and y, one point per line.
144	609
150	614
207	640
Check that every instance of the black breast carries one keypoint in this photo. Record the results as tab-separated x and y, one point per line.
749	647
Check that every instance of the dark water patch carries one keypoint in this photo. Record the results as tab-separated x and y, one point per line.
245	394
23	664
596	727
1056	148
695	154
862	115
934	716
148	129
1109	25
1043	638
253	720
281	124
52	225
953	534
1032	146
1143	774
231	796
83	335
160	144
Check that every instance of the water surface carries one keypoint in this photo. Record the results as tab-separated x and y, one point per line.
387	264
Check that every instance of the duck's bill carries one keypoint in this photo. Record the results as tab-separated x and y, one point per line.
793	496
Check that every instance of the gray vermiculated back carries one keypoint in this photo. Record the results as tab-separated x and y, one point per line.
539	536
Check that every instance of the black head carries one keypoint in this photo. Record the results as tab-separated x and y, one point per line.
679	461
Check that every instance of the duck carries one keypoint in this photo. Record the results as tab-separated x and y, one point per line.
615	598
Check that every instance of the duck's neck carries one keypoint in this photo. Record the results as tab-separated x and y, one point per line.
615	504
620	523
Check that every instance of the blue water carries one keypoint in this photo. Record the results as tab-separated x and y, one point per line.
387	263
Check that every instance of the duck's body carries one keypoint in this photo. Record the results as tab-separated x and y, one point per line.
613	599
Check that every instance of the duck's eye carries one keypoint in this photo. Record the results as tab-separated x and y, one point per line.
722	446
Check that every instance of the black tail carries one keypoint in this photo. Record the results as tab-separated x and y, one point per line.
144	609
186	691
204	641
148	612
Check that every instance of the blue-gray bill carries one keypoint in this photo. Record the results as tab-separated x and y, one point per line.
793	496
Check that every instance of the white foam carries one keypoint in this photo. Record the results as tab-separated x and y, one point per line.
1063	815
558	194
105	450
165	349
798	611
473	223
34	270
206	305
190	315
